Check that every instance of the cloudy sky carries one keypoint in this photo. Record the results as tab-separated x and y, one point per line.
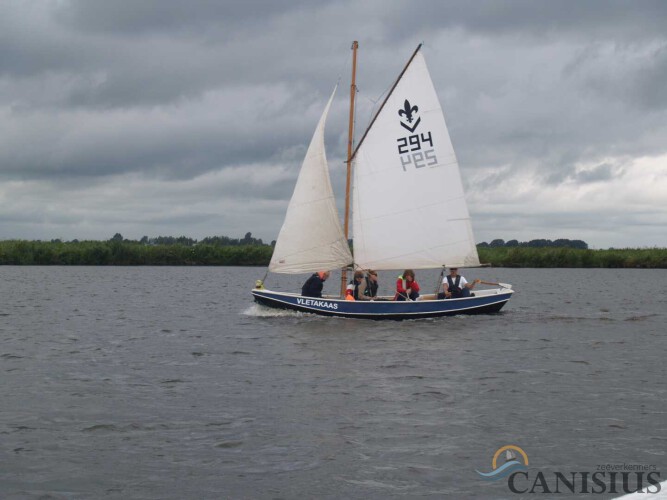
164	117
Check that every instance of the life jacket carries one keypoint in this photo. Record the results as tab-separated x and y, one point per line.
371	288
454	287
404	284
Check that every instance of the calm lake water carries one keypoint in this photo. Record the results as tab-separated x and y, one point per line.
168	383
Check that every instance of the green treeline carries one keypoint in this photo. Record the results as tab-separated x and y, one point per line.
248	251
131	253
573	257
560	243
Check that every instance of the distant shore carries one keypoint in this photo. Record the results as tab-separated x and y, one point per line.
132	253
649	258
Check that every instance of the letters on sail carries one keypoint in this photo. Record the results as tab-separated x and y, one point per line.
311	237
409	209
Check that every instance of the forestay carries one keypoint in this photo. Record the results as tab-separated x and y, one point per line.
409	209
311	237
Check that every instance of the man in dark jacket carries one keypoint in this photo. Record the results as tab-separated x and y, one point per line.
313	285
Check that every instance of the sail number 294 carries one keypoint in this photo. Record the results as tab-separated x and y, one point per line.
411	149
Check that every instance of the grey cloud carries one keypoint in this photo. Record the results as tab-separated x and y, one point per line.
569	173
93	90
182	142
651	82
128	17
623	229
598	18
600	173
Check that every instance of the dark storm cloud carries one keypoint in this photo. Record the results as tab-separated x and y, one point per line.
122	54
129	17
600	173
91	91
595	18
555	112
651	82
223	129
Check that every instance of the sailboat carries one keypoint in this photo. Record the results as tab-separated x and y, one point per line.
408	209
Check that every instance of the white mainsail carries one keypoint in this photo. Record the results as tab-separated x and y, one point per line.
409	209
311	238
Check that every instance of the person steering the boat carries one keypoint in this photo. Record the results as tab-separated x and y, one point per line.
313	285
406	286
456	286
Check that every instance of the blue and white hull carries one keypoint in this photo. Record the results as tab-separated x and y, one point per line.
484	302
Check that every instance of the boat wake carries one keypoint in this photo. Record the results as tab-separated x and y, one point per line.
259	311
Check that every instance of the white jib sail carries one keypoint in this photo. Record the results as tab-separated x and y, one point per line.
409	209
312	238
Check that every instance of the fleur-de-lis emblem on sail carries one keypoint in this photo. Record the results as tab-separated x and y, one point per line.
409	112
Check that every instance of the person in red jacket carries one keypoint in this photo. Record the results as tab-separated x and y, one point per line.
406	286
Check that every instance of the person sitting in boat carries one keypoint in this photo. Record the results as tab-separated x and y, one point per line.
456	286
355	287
406	286
370	286
313	285
363	287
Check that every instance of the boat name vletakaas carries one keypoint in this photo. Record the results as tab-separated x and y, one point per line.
318	303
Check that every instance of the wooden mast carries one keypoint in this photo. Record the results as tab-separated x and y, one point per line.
350	140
